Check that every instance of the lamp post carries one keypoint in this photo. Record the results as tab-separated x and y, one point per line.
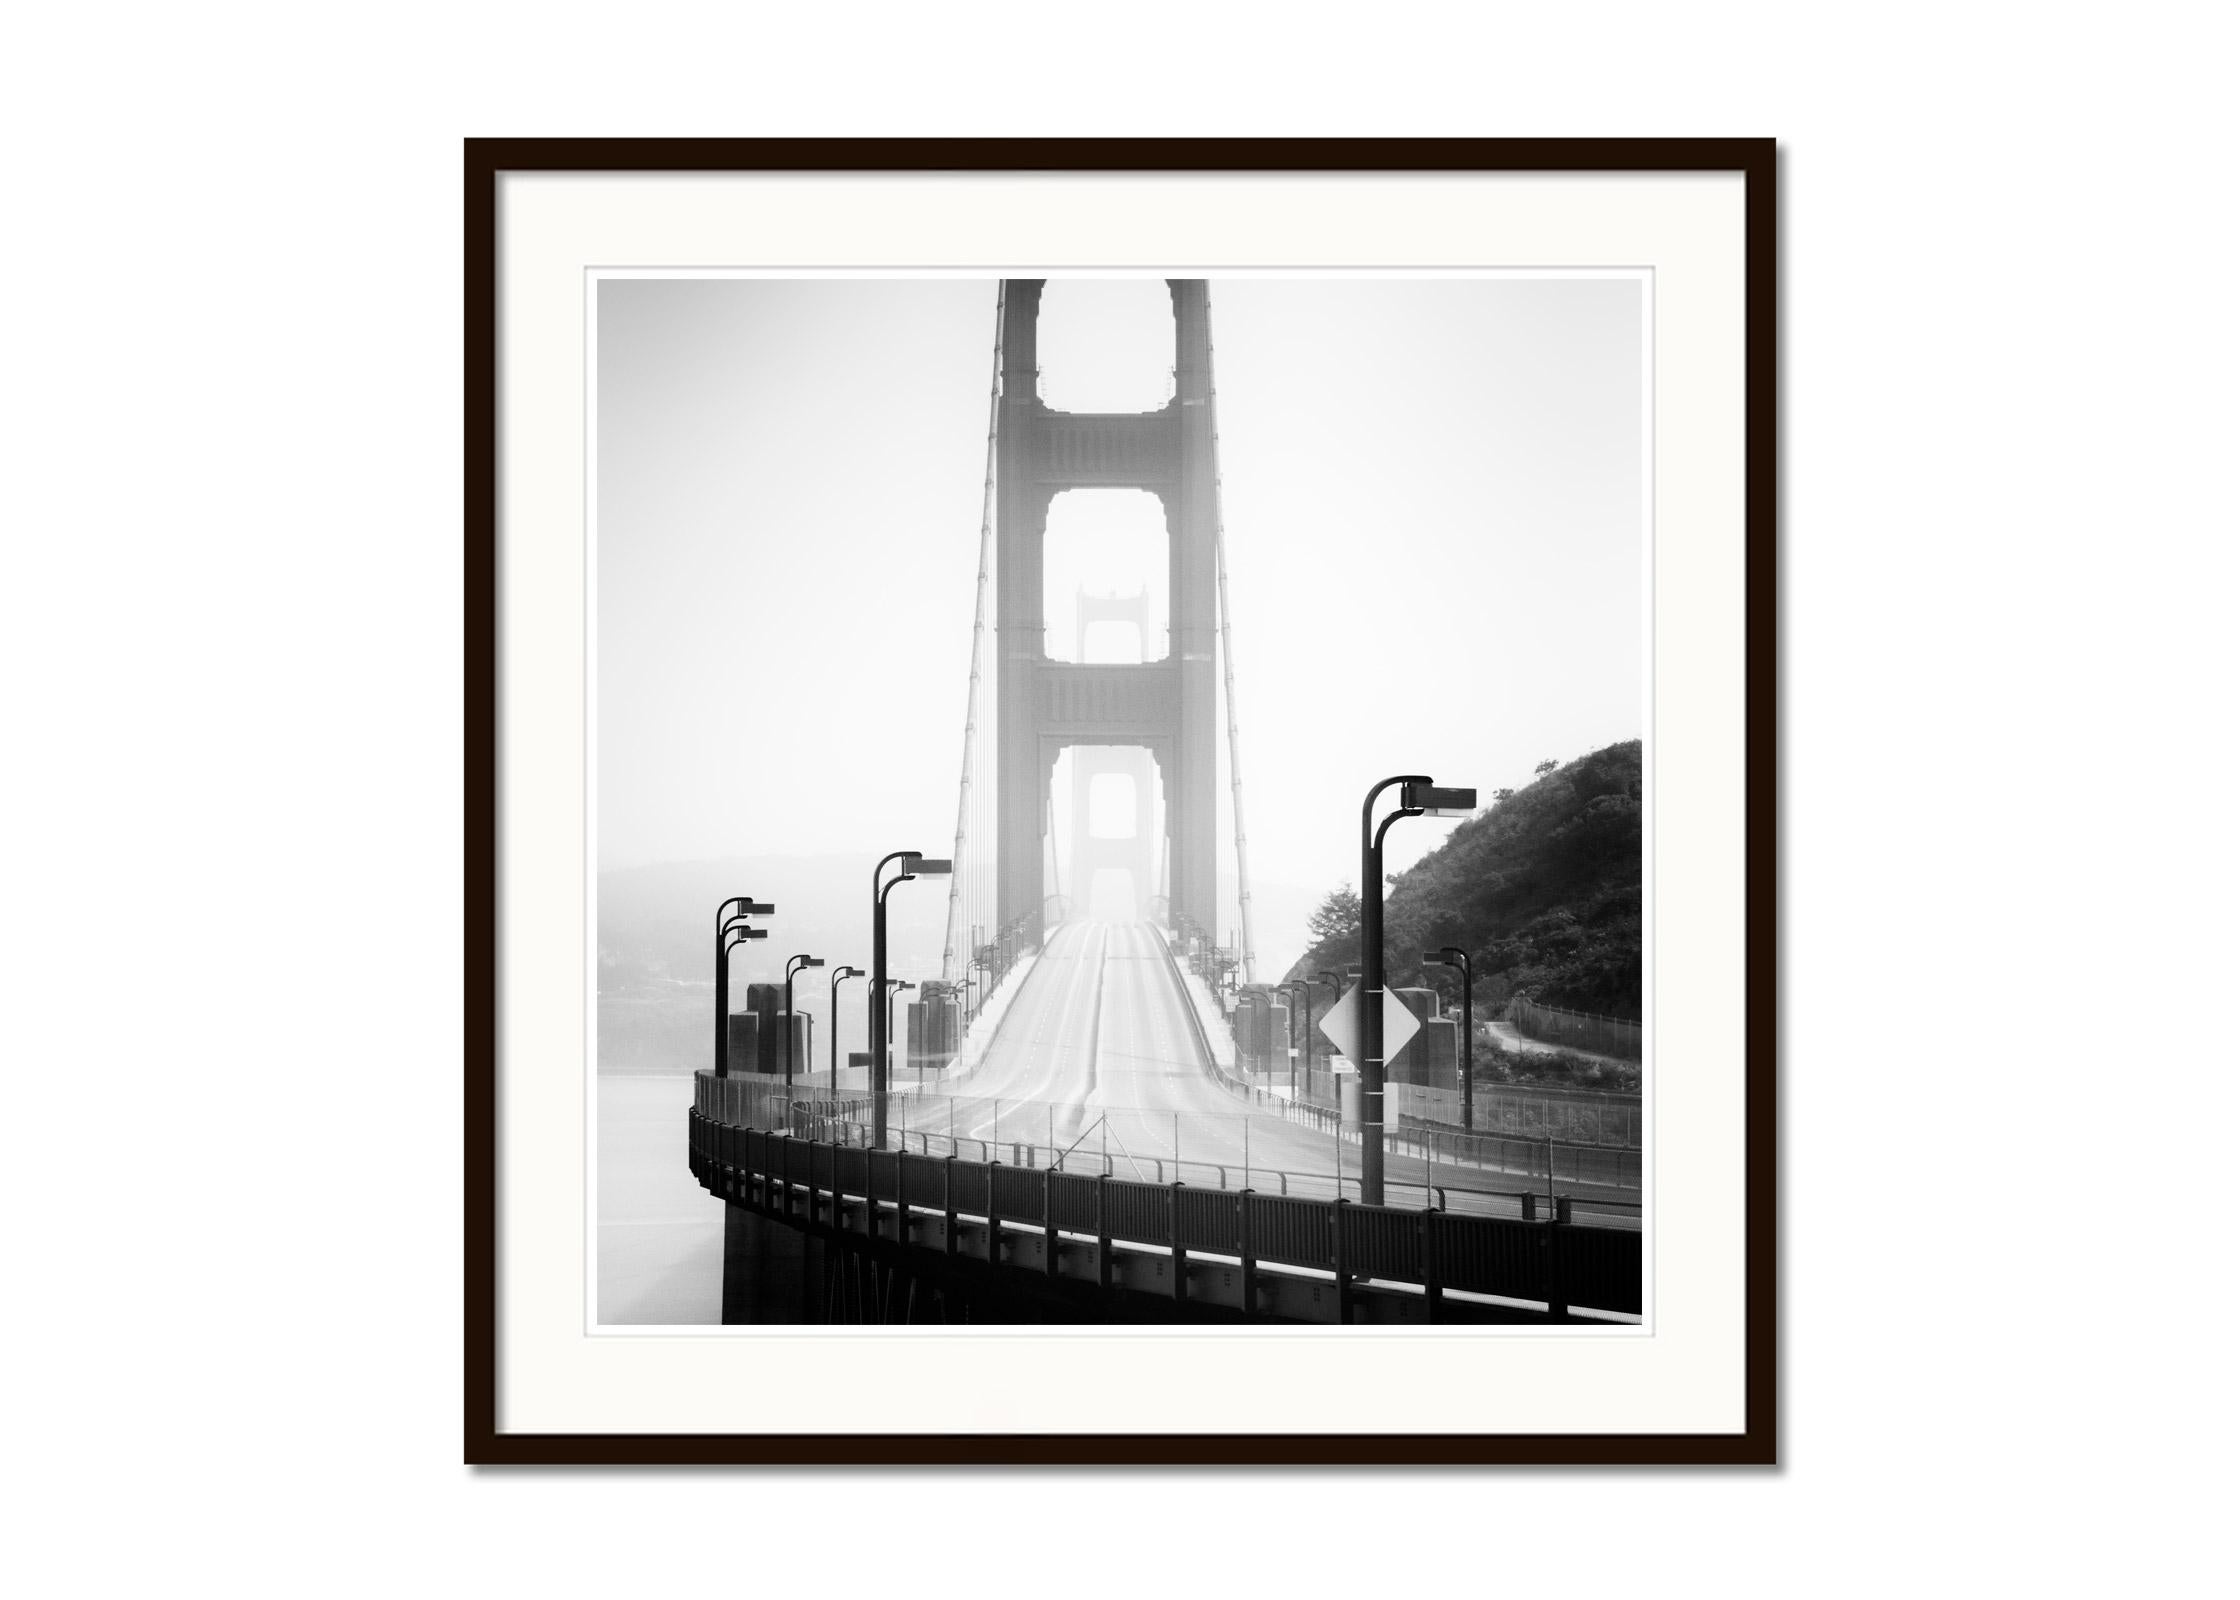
832	1021
733	937
1418	797
794	964
1337	984
1297	989
895	986
1456	956
914	865
732	914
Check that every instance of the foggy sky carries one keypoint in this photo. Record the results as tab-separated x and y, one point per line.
1432	492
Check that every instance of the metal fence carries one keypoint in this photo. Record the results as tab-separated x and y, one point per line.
1542	1258
1541	1158
1442	1167
1151	1146
1608	1036
1576	1118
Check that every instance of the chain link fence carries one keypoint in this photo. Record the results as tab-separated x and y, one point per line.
1581	1117
1576	1030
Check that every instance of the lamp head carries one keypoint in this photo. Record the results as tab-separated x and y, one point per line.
1432	801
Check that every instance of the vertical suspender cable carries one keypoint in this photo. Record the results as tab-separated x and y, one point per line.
958	877
1228	663
1054	881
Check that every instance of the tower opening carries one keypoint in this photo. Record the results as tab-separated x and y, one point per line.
1106	344
1104	577
1108	815
1112	805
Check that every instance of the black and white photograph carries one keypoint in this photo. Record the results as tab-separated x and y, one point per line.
1121	799
1221	798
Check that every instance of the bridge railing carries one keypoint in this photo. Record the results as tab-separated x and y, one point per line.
1575	1116
1535	1256
1446	1169
1544	1158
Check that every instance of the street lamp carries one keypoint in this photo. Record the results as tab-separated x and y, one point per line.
1337	984
832	1022
1418	798
895	986
914	865
1456	956
732	914
1297	988
793	965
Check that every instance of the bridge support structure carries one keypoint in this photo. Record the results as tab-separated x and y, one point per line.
1167	706
1132	853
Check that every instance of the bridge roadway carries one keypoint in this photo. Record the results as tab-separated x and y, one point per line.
1098	1055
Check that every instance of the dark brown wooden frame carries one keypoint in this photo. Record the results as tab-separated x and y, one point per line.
488	161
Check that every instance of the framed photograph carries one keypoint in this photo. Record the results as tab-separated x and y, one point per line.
1121	801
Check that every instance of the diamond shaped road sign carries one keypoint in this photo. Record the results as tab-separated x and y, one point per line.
1342	1024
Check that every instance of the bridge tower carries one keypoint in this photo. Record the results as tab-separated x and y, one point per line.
1133	853
1167	706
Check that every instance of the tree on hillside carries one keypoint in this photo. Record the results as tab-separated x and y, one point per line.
1543	889
1338	917
1542	770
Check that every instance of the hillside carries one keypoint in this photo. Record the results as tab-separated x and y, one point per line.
1543	889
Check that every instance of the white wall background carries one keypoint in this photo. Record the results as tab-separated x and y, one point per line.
230	627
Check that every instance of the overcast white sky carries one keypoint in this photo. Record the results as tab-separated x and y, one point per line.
1433	492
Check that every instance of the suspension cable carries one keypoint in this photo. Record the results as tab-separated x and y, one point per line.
972	705
1228	663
